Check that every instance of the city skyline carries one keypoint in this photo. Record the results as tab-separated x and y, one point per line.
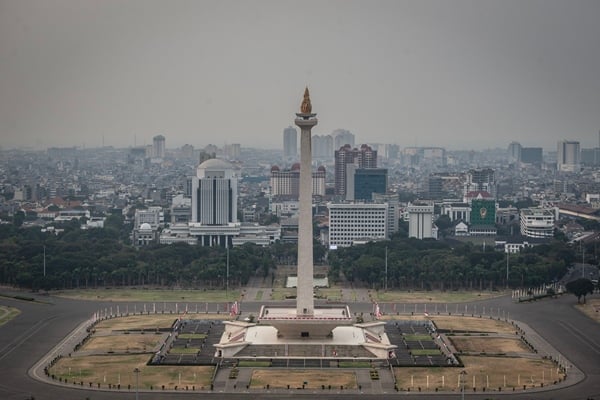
459	75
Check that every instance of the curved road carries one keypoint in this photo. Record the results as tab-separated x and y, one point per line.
42	325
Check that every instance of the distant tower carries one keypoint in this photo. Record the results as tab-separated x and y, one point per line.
568	157
158	146
514	152
290	143
305	120
365	157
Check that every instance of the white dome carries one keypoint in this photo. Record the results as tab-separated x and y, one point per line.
215	163
145	227
215	168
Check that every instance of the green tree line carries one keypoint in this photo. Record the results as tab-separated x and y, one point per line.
430	264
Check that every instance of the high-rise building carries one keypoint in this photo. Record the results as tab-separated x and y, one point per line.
290	143
342	137
350	223
368	181
287	182
322	147
480	180
214	193
158	147
514	153
532	155
568	157
537	222
420	220
365	157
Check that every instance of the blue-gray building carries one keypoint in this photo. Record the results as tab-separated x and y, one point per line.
368	181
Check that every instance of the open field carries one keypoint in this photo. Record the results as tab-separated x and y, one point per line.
489	345
471	324
281	378
116	370
7	313
150	295
432	296
150	322
481	372
123	343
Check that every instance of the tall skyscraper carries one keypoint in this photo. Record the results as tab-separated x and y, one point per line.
514	152
365	157
158	146
342	137
214	193
290	143
480	180
322	147
568	157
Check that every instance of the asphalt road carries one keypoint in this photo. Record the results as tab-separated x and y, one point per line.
40	326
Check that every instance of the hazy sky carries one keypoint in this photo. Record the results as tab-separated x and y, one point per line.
460	74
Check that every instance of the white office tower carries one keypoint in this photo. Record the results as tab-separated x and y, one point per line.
214	193
290	143
568	157
357	223
420	220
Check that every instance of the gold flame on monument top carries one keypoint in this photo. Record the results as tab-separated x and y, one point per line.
306	107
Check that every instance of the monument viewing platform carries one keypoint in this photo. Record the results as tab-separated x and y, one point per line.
320	324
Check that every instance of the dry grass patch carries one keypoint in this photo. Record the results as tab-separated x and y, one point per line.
116	370
489	345
295	378
123	343
591	308
433	296
472	324
481	372
150	322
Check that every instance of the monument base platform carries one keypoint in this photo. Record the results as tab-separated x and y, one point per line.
318	325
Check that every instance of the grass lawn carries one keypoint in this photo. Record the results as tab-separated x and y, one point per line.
418	337
192	335
7	313
150	295
282	293
281	378
149	323
488	372
119	369
472	324
122	343
489	344
425	352
432	296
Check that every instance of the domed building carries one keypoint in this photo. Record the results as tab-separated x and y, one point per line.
214	203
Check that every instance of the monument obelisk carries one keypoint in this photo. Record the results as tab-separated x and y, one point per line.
305	120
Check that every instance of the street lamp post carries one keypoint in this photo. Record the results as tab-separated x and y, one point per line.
462	381
137	375
227	277
386	270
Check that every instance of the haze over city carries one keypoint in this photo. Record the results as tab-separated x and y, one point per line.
458	74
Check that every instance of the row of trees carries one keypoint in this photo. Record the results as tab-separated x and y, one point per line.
79	258
431	264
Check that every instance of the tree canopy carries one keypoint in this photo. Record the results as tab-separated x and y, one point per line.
580	287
